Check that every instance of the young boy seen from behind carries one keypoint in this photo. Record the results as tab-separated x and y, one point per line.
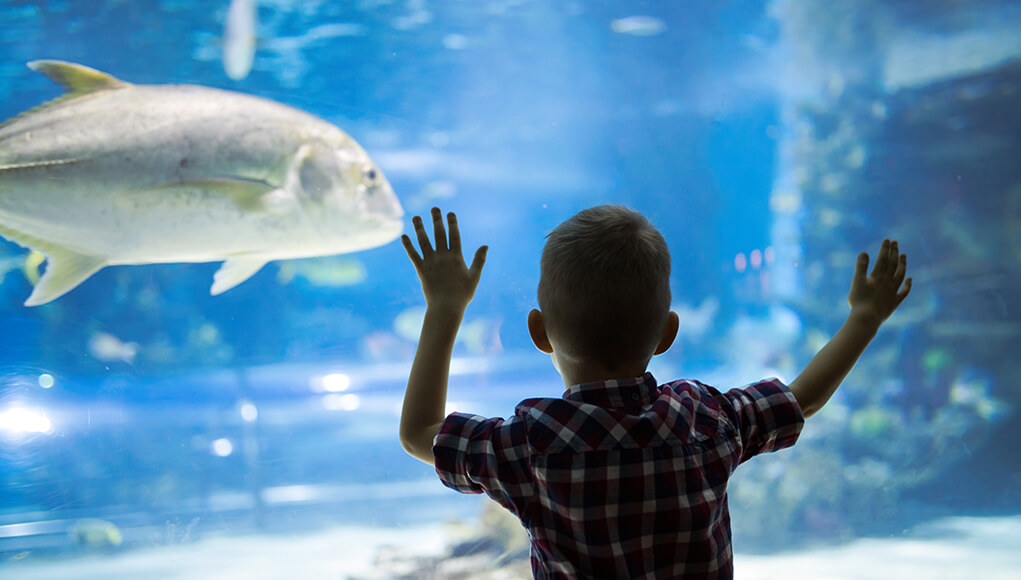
620	477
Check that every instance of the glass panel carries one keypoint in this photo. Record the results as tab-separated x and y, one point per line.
151	429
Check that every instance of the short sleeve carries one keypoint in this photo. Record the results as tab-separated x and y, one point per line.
767	416
474	454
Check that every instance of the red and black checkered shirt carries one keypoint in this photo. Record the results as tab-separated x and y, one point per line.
621	479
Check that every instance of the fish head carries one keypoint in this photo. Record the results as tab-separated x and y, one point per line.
349	202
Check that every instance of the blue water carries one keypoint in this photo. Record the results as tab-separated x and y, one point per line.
170	406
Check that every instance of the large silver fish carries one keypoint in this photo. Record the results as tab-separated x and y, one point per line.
115	173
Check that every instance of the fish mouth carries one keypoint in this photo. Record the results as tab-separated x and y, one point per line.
380	200
392	227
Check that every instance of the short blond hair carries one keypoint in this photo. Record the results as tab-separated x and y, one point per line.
604	285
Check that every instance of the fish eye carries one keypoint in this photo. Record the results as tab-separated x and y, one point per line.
370	175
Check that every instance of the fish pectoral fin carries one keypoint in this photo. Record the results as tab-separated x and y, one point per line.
249	194
65	269
75	78
235	271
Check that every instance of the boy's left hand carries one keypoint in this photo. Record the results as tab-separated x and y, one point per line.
446	281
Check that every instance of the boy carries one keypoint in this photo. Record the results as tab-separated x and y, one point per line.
620	478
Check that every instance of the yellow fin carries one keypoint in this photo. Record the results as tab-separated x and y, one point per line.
75	78
248	194
31	266
65	268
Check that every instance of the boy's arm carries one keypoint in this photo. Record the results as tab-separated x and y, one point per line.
873	299
448	285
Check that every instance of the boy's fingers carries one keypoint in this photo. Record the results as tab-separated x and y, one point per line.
423	238
441	233
475	270
902	269
409	247
861	267
893	261
881	257
455	233
904	291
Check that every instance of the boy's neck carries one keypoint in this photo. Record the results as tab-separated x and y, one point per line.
577	372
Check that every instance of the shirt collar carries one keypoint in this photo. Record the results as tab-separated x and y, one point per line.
633	392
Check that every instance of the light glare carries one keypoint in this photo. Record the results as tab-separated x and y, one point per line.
336	382
756	259
21	420
223	447
249	412
334	402
740	263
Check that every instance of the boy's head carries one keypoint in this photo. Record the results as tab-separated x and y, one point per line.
604	288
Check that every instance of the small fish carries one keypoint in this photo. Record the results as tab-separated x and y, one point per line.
95	533
291	44
329	272
695	322
478	336
181	173
638	26
19	556
239	39
408	323
108	348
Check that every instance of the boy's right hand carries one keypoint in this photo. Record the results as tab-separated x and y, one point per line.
447	281
874	297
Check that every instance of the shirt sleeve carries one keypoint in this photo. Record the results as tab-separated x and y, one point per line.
767	416
474	454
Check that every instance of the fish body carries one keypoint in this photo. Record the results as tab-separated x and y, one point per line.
119	174
109	348
95	533
329	272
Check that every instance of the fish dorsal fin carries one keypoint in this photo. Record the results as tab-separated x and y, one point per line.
78	80
75	78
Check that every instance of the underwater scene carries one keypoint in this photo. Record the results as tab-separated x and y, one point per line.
207	320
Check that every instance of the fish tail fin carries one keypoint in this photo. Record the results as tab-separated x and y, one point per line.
65	269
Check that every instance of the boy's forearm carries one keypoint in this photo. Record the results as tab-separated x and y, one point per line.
426	396
827	369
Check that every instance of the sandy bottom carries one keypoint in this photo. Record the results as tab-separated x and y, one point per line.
952	549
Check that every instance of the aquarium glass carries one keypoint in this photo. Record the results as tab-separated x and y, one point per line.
151	429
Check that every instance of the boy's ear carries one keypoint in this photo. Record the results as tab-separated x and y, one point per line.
537	330
669	333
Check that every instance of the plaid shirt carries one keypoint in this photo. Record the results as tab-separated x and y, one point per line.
624	478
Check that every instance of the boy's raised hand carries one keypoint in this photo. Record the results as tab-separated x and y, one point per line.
878	294
446	281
